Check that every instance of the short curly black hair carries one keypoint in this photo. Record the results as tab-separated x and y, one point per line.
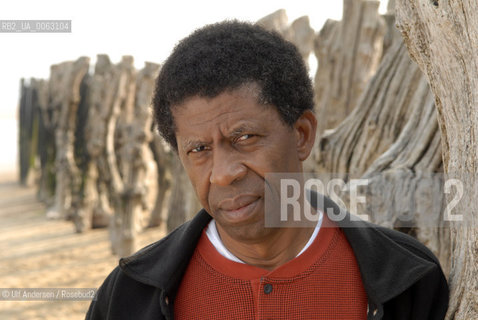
225	56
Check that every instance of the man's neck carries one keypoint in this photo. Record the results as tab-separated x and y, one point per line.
282	246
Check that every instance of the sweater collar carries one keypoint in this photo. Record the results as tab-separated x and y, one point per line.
388	266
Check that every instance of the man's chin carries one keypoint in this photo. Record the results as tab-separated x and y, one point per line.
248	231
243	215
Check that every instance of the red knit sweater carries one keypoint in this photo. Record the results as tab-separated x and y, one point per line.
324	282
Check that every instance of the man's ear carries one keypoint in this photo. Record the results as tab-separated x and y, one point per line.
305	128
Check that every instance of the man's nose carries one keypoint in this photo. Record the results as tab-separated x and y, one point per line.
226	168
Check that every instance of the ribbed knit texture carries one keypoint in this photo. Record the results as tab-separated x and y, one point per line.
322	283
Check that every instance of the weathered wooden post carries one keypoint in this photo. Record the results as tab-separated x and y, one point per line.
129	158
95	209
442	37
349	53
65	82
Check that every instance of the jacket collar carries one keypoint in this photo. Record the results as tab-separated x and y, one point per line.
175	251
385	257
388	266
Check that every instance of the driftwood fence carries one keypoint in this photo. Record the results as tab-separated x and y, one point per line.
88	142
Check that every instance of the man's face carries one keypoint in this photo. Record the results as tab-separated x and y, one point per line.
227	145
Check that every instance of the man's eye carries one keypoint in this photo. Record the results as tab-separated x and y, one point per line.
245	137
198	149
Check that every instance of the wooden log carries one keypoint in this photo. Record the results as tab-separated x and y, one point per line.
46	143
442	37
124	196
26	115
391	6
81	199
97	209
129	157
302	35
145	168
277	21
163	157
299	32
183	204
65	95
377	121
349	53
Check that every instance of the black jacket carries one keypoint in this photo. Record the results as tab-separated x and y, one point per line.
402	278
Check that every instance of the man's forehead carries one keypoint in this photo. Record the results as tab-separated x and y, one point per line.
230	120
233	103
245	90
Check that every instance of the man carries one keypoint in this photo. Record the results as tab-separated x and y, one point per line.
235	102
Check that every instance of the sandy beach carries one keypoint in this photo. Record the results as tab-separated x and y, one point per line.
40	253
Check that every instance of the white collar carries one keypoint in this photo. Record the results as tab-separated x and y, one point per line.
215	239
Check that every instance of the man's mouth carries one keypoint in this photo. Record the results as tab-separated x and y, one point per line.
239	208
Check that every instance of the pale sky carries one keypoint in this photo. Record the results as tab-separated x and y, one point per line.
147	30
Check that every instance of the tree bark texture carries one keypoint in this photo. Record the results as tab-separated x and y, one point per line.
144	169
32	142
96	210
378	119
348	54
125	197
442	37
299	32
130	160
46	149
66	79
26	121
164	157
183	204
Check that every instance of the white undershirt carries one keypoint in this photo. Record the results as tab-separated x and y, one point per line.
216	241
